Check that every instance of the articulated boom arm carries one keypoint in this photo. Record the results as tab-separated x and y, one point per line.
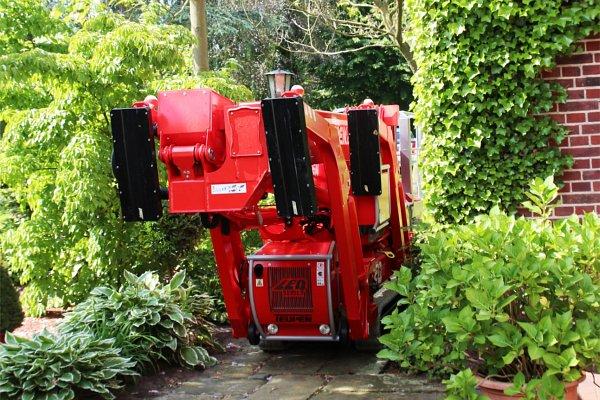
337	228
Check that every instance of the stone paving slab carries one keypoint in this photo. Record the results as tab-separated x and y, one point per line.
383	383
325	395
289	387
352	362
299	363
219	388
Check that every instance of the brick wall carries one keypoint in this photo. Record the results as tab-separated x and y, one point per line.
579	73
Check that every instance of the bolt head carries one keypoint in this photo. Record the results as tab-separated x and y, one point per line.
324	329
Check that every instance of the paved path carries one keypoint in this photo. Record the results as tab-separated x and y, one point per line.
306	371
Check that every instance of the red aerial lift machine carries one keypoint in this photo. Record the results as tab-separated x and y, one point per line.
338	227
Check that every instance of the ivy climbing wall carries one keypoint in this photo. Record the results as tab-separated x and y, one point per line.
579	74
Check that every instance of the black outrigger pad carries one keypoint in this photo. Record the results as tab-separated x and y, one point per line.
365	160
289	158
134	164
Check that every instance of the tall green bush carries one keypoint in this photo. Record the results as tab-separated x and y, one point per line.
11	314
478	89
63	69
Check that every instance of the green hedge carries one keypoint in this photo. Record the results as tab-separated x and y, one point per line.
478	88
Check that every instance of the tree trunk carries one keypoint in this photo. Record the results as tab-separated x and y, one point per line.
200	31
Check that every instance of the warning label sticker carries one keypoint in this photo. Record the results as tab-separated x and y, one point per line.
228	188
320	273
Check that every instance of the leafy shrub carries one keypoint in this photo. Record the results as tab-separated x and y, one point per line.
11	314
478	91
149	321
58	367
505	296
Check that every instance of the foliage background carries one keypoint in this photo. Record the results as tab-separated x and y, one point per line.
65	64
63	69
479	89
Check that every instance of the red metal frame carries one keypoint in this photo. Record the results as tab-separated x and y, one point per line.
216	157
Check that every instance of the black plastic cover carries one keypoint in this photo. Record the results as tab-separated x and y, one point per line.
289	158
365	160
134	164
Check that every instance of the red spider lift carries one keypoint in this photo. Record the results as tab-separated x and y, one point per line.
338	226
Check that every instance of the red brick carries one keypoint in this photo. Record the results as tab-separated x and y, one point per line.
574	129
566	188
581	163
551	73
594	36
576	117
597	57
575	59
581	186
560	118
593	45
582	151
563	211
579	210
587	81
579	140
592	93
570	71
597	186
595	162
581	198
595	139
571	176
591	128
579	105
577	94
567	83
591	174
587	70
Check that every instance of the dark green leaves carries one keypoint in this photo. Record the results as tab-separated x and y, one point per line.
479	91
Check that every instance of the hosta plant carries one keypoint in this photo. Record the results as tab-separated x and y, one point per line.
60	367
510	298
148	320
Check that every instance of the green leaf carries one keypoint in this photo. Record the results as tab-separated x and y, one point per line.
189	356
177	280
509	357
499	340
535	352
